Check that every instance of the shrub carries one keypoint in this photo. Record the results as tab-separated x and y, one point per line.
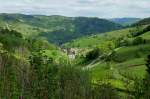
138	40
104	91
147	80
140	31
74	83
93	54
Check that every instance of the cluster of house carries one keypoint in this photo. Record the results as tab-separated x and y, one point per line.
71	52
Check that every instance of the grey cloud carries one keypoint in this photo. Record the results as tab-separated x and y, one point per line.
97	8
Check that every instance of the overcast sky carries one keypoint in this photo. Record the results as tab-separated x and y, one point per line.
90	8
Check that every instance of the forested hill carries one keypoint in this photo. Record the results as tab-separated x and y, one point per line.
145	21
57	29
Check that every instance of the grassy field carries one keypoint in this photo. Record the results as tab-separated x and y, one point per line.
58	56
146	35
116	73
132	52
128	62
94	40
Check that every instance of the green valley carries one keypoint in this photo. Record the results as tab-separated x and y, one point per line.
57	29
58	57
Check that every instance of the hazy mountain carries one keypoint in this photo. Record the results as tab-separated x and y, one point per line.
125	21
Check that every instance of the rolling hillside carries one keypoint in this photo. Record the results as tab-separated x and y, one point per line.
122	56
57	29
127	58
101	39
94	40
145	21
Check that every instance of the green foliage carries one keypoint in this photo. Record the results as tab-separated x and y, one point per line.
138	88
148	64
57	56
105	39
40	43
74	83
131	52
120	42
11	39
104	91
95	53
13	78
107	46
146	84
146	36
42	76
139	31
138	41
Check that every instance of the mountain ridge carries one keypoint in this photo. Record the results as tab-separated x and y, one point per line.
58	29
145	21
